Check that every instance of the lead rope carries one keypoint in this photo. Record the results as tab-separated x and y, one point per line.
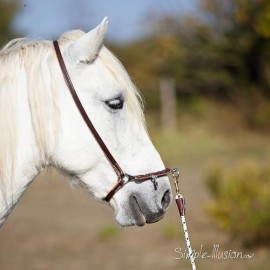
180	201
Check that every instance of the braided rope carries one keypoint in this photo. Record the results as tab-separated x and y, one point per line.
185	229
180	202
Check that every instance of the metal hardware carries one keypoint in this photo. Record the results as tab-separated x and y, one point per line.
126	178
154	181
175	175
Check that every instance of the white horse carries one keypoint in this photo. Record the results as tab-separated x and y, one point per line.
40	125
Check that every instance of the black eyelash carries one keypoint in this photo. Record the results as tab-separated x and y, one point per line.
115	104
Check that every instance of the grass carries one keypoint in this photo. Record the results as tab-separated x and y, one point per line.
171	231
219	134
108	232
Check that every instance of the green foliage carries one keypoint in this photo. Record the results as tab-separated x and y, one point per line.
171	231
8	10
108	232
241	201
256	111
244	27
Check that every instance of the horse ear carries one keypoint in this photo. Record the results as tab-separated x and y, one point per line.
86	48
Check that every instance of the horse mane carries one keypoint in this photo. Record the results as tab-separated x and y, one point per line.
26	65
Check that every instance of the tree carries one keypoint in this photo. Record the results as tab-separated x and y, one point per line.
245	24
8	9
225	47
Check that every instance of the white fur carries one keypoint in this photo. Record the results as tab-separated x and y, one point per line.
41	126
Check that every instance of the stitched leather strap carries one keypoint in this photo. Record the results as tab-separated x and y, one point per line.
117	186
80	107
149	176
142	177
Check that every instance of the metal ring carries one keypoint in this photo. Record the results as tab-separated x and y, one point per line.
175	173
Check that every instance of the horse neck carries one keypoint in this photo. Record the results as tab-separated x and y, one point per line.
22	176
25	161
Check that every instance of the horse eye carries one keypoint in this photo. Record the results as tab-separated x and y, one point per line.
115	104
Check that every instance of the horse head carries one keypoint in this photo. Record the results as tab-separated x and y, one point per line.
114	106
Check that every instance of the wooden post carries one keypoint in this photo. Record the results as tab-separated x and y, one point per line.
168	103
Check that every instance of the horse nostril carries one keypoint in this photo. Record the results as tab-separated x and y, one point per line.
166	200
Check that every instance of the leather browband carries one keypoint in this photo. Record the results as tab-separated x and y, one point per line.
122	177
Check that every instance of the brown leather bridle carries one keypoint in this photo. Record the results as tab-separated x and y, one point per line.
123	178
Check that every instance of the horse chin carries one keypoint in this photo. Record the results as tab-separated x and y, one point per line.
132	215
127	222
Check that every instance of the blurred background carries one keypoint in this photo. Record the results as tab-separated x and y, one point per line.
203	68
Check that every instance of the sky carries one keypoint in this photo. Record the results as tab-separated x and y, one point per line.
128	19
